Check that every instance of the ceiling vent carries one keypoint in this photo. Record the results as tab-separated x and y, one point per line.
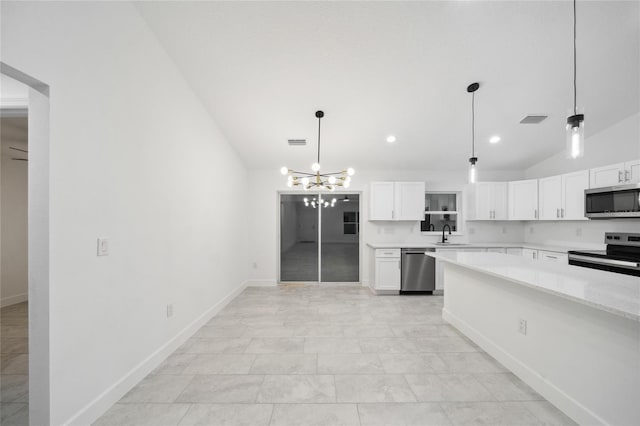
533	119
297	142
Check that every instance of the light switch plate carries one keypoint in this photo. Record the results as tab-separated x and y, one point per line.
103	247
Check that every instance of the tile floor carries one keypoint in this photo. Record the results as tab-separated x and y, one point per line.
14	357
308	355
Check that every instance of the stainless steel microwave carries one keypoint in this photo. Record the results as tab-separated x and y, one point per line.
612	202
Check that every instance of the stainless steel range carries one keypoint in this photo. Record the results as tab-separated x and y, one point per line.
622	255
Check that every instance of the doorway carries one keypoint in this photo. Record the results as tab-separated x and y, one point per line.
320	238
24	274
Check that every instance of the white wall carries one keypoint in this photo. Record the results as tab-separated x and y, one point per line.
134	158
263	254
618	143
13	214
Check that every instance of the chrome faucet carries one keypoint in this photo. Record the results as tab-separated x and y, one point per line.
432	227
444	239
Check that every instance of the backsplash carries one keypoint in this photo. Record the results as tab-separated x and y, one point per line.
583	234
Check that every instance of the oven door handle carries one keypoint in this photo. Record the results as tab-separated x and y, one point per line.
602	261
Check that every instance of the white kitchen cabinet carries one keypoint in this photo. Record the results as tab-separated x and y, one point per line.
515	251
396	201
487	201
381	201
408	201
523	199
632	171
550	197
615	174
562	197
553	256
573	186
529	253
387	273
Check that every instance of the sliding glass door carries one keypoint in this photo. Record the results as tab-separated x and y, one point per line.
340	239
320	238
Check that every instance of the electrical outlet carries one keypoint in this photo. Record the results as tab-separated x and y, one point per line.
103	247
579	232
472	231
169	310
531	229
255	265
522	326
504	229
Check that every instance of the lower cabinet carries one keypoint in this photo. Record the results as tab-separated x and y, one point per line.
529	253
387	271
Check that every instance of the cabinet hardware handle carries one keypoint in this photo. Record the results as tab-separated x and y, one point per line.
620	176
561	212
558	213
535	213
626	176
552	257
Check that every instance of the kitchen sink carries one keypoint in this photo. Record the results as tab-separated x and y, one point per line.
452	244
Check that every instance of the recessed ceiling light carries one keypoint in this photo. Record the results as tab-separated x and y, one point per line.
391	139
494	139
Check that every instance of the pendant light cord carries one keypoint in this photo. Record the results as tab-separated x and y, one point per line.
575	107
473	124
319	118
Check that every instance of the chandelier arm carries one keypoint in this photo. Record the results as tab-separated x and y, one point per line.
301	173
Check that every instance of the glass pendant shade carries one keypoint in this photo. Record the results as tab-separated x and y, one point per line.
575	136
473	171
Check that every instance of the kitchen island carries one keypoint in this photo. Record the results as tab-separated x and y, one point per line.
571	333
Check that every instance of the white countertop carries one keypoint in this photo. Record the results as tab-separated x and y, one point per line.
608	291
454	246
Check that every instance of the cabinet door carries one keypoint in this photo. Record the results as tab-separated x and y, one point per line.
632	171
523	200
550	197
530	254
607	176
482	199
573	186
499	200
381	201
387	273
409	201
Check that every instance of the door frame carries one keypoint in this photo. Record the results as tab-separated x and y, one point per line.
279	193
38	245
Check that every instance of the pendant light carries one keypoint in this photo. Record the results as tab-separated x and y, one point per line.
575	121
473	173
317	179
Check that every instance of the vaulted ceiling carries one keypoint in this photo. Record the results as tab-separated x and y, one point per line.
378	68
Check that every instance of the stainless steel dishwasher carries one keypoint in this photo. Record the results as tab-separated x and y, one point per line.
418	271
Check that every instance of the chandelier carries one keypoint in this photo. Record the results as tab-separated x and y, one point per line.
317	179
317	203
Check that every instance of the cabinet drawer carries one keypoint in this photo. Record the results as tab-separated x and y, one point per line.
388	253
552	256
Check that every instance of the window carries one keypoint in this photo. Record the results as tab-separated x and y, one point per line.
350	222
441	208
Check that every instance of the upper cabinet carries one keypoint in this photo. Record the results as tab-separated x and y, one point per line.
396	201
523	200
487	201
562	197
615	174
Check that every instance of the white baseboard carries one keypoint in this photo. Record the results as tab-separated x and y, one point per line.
12	300
548	390
92	411
262	283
